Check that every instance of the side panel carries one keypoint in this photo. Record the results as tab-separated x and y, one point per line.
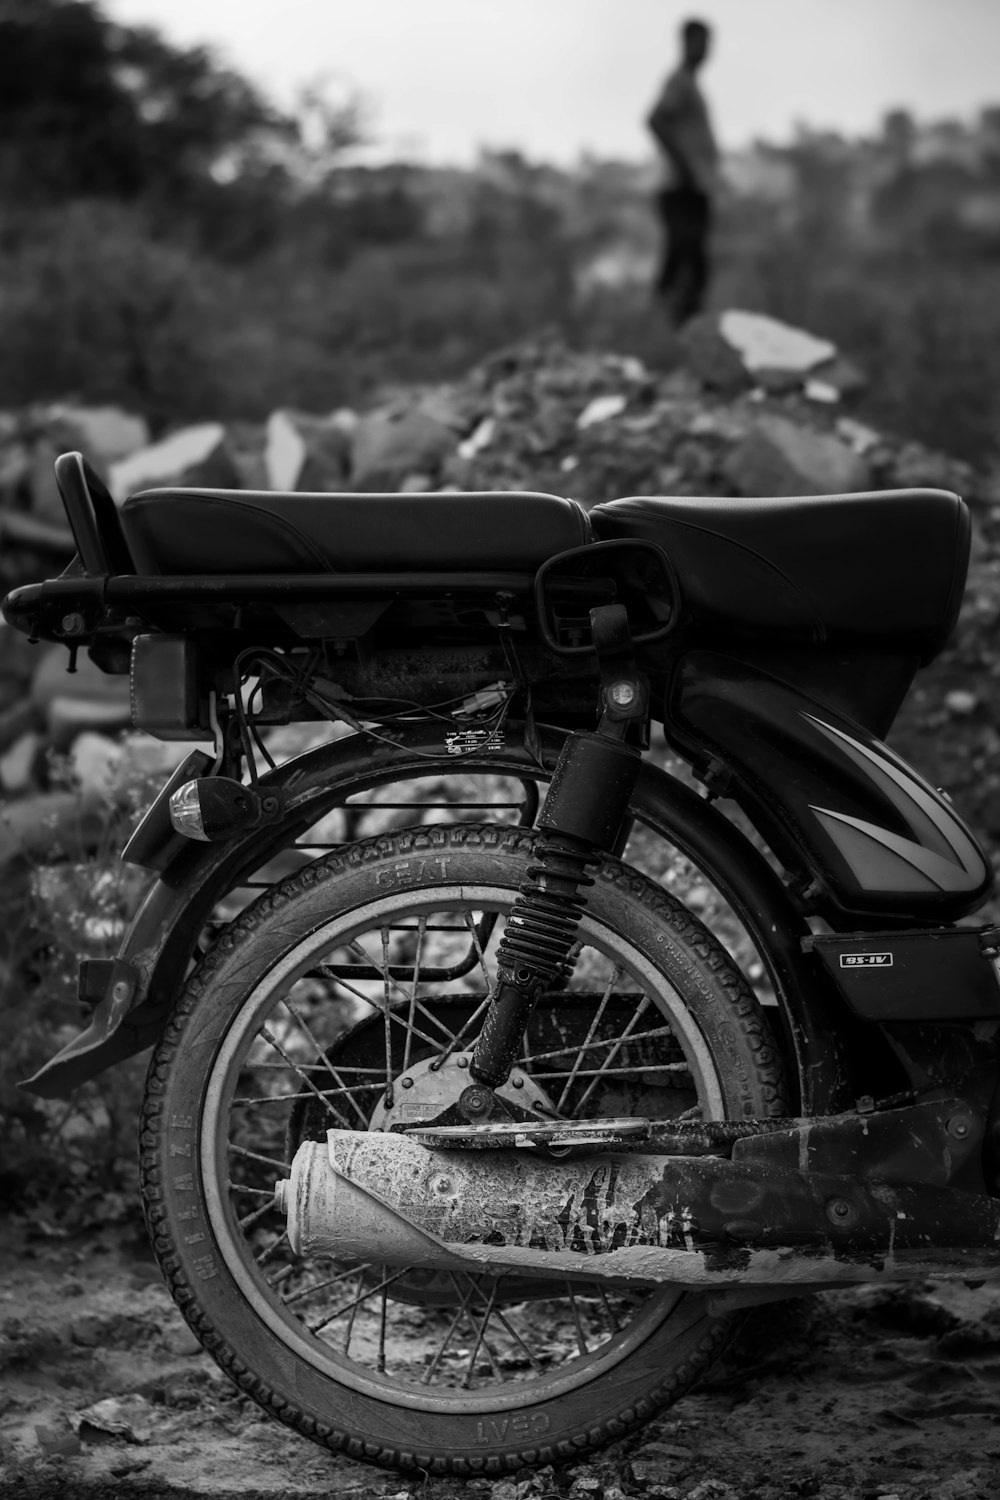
836	804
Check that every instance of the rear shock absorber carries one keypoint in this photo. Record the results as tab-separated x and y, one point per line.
581	818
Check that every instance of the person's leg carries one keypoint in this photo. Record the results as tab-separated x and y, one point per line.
668	260
697	262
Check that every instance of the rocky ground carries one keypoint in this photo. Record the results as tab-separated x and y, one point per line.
859	1395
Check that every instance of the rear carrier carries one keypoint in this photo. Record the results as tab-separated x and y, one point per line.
939	974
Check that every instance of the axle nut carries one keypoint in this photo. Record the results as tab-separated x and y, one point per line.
840	1212
959	1127
475	1102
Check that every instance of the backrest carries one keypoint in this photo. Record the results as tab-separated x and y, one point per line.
93	518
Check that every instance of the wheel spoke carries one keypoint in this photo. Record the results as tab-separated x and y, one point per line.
618	1045
268	1161
362	1297
609	1311
481	1340
411	1014
383	1313
508	1328
388	979
616	973
249	1220
581	1341
269	1036
464	1300
304	1026
271	1250
320	1286
351	989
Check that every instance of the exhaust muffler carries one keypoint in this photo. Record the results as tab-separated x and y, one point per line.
630	1218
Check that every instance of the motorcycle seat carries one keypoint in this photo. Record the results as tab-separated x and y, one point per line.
205	531
877	567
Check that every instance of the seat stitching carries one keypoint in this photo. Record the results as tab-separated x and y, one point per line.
259	510
819	624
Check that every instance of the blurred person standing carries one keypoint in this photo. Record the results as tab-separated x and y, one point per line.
683	129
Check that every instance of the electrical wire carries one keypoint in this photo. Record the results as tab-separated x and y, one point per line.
333	709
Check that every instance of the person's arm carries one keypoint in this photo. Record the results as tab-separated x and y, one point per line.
665	120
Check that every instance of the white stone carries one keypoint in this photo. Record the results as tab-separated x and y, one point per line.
17	761
961	701
818	390
285	452
95	760
162	462
764	343
859	436
106	433
600	409
479	439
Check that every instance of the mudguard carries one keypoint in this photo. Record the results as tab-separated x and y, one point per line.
143	982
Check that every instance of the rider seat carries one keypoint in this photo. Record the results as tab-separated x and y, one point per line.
886	567
192	532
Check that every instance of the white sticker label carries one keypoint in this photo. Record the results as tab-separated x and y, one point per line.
465	741
866	960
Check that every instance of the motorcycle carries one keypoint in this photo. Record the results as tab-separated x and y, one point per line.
466	1145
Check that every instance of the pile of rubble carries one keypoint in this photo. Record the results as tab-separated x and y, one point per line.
750	407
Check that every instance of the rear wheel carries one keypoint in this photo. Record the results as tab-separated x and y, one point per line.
348	997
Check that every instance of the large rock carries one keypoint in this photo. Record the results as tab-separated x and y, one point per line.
103	434
194	456
85	699
712	358
840	375
779	457
308	453
394	442
765	343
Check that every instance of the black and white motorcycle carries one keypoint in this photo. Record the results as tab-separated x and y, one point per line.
465	1144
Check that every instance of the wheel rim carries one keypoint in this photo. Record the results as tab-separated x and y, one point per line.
481	1351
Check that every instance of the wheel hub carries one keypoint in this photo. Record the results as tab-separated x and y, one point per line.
428	1088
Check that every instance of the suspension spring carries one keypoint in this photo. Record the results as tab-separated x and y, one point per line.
542	925
534	950
581	818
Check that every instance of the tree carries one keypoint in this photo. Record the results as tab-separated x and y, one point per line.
92	109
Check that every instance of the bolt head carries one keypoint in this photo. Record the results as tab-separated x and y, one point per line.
516	1082
623	694
463	1062
406	1083
475	1101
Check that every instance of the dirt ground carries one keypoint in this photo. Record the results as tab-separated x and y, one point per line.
858	1395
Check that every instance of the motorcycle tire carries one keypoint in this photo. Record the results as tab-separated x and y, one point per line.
370	966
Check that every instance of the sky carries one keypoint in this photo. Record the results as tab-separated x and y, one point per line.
554	78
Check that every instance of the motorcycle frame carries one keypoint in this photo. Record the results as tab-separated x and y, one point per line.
138	988
709	715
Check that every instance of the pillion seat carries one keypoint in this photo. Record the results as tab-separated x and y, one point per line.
886	566
201	531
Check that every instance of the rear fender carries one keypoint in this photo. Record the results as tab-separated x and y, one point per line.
159	946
